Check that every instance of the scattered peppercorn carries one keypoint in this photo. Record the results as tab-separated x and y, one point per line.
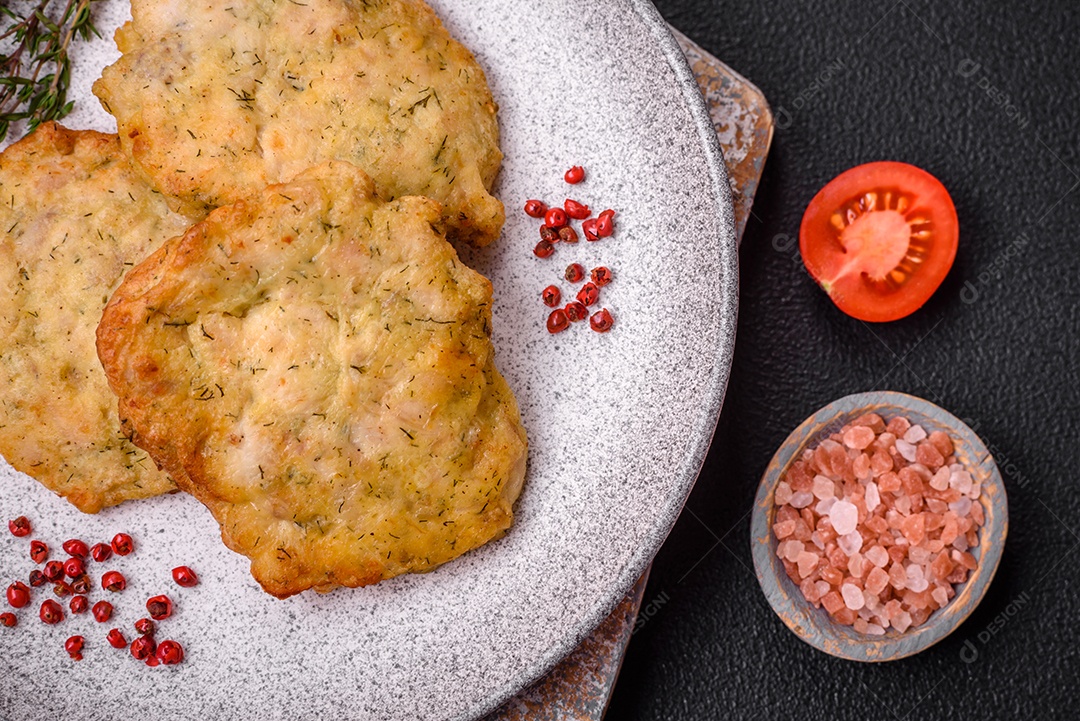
601	321
575	175
122	544
159	607
76	548
558	321
51	612
18	595
116	638
535	208
8	619
102	611
74	647
576	210
113	581
101	552
39	552
185	577
551	296
79	604
19	527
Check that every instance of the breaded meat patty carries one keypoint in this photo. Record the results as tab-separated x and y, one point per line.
74	216
314	365
215	100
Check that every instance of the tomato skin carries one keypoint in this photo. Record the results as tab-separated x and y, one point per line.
924	265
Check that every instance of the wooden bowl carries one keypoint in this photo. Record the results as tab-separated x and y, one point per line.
813	625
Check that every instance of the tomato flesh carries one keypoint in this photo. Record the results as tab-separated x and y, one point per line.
879	239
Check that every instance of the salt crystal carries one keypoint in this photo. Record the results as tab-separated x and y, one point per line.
876	581
941	596
783	493
853	596
903	504
832	601
873	497
857	566
793	549
975	492
897	577
915	579
940	481
861	467
901	622
821	588
870	598
802	499
873	629
824	487
915	434
816	539
844	516
864	613
861	625
961	481
783	529
918	554
807	563
960	543
906	450
823	506
961	507
858	437
877	556
850	543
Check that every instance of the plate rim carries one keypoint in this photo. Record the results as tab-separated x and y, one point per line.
728	306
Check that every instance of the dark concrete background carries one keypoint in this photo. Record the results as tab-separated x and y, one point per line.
986	98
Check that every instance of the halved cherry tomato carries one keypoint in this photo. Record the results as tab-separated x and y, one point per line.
879	239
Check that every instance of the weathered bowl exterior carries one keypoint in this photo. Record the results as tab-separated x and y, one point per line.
813	625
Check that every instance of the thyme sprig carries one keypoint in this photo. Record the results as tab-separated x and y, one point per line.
35	70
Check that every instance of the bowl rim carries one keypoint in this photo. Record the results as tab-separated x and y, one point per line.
813	625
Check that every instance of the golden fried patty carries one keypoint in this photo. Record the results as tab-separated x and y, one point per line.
74	216
314	365
217	99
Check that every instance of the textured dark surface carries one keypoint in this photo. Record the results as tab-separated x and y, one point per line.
986	99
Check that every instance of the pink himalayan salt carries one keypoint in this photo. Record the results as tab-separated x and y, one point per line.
892	495
915	434
782	496
832	601
844	516
783	529
807	562
858	437
901	622
876	581
877	555
853	596
823	487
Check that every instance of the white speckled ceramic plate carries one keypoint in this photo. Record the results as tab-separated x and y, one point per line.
619	424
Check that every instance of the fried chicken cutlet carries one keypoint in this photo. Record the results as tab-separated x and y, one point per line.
215	100
74	216
314	365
